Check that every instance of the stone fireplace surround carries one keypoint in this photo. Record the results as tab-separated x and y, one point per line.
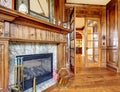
21	32
20	48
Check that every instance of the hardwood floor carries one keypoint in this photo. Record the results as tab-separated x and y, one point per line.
92	80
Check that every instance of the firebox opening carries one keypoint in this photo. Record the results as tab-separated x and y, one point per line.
36	65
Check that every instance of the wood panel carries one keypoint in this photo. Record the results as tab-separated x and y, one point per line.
6	29
103	37
59	10
32	33
4	64
119	33
61	56
20	18
23	33
1	29
87	10
112	34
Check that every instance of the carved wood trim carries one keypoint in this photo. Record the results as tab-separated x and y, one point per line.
24	19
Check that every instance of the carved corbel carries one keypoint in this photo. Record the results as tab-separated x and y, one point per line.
1	28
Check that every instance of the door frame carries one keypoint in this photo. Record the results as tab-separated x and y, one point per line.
92	64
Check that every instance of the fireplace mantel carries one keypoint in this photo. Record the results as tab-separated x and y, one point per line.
15	26
13	16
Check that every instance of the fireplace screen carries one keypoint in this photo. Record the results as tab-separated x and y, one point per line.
36	65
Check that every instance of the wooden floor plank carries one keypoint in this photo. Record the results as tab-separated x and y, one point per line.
92	80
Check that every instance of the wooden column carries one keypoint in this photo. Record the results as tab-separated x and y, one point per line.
59	10
119	35
103	37
13	4
4	65
61	63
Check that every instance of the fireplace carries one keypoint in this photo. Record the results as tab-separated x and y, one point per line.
25	49
36	65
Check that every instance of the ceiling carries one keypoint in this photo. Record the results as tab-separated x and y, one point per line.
96	2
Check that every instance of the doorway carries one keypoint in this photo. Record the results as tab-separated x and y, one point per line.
92	42
88	44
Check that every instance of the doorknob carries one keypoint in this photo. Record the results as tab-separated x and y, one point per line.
87	48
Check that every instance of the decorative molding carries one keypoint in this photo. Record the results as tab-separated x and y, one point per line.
24	19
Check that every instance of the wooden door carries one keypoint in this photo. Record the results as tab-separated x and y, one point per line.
92	51
4	64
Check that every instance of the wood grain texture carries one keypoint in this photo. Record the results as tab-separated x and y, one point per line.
61	56
92	80
24	19
113	34
3	64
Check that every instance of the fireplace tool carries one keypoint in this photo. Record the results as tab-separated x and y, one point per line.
34	84
19	77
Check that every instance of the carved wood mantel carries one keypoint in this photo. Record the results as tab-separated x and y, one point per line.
20	18
15	26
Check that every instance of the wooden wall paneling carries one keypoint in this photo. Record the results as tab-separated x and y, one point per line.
4	64
88	11
38	36
103	37
1	29
61	61
55	37
58	37
20	31
13	30
63	38
59	10
56	10
25	32
32	33
51	37
6	29
62	10
16	31
1	66
48	36
119	34
43	35
113	34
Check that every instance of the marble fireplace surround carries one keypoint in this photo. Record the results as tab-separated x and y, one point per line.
20	48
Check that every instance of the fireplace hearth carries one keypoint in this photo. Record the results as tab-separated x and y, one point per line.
36	65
